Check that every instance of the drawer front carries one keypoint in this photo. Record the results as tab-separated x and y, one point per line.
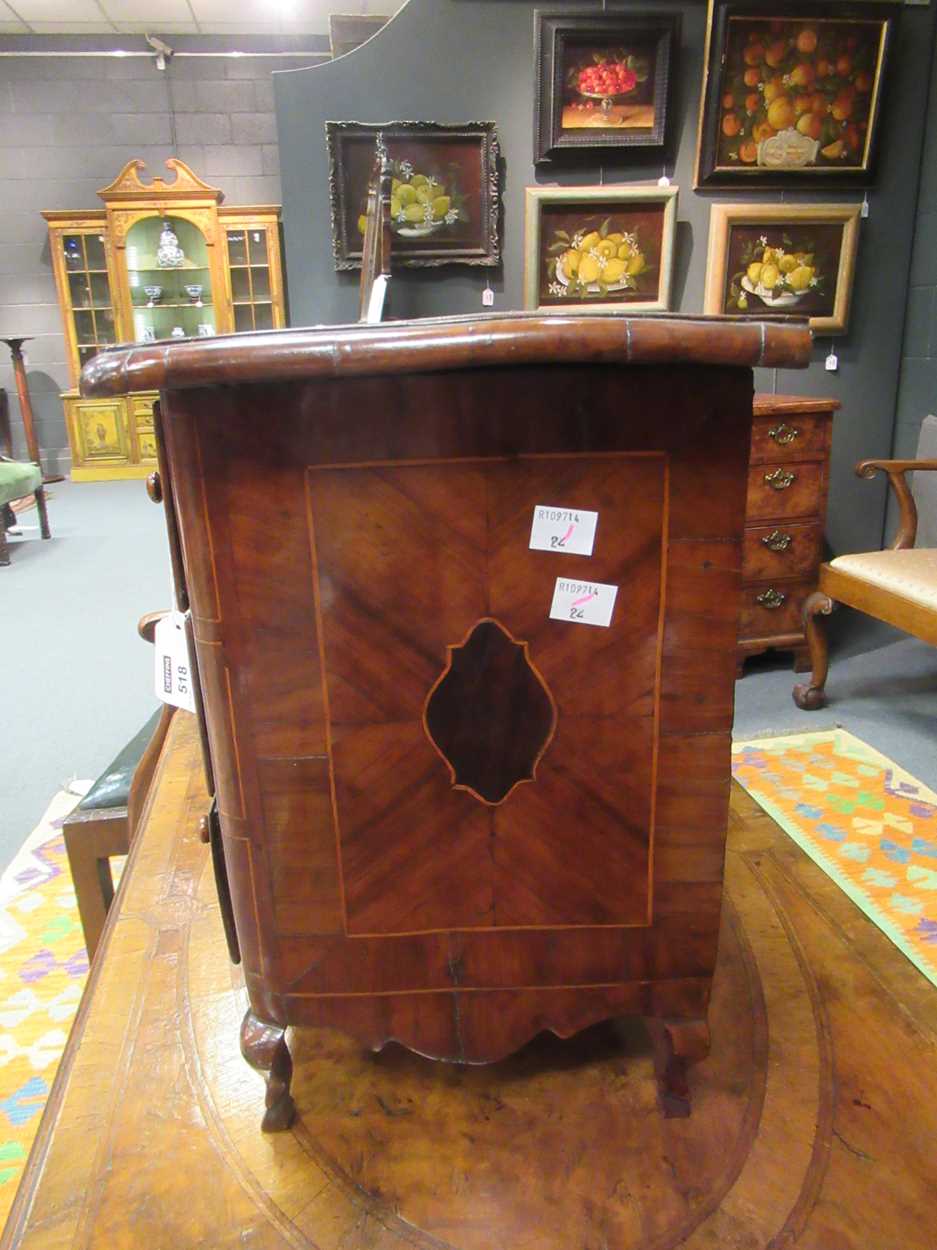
782	490
142	408
794	437
785	551
772	608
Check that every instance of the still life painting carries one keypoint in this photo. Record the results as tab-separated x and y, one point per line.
783	260
792	98
603	81
591	248
445	193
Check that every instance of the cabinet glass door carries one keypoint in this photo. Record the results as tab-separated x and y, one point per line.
249	263
89	296
170	280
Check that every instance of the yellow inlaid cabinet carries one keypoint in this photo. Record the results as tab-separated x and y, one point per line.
161	260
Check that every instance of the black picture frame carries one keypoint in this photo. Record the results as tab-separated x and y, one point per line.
720	80
476	240
556	35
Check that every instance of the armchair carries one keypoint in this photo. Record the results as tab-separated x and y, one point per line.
17	480
897	585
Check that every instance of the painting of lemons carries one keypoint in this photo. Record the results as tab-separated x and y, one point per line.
605	258
420	204
783	269
798	93
445	192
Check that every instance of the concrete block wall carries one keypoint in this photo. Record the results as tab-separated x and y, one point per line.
67	127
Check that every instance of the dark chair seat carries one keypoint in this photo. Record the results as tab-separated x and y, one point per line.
102	824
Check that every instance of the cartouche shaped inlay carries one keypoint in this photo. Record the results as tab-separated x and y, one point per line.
490	715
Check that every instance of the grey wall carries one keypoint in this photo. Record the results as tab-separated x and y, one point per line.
917	392
67	127
453	60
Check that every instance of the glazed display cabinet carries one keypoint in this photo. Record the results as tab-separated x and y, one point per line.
160	261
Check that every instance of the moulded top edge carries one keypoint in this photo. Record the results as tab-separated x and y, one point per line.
430	344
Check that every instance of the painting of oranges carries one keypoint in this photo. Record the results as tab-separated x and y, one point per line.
793	94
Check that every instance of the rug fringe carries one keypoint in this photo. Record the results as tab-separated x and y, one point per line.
815	727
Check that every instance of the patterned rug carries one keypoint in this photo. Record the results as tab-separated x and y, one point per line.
868	824
43	966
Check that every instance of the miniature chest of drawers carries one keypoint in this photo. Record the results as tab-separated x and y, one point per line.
788	478
458	801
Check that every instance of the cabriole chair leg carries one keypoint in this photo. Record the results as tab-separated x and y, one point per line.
811	695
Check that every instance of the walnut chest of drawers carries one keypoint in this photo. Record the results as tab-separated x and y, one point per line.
788	478
458	802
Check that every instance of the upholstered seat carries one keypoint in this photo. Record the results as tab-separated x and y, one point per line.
898	586
18	479
910	574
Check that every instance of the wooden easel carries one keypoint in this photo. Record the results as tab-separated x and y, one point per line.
375	259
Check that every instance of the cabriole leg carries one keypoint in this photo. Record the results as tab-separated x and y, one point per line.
264	1047
677	1045
810	695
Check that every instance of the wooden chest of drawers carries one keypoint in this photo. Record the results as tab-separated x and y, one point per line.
788	479
470	783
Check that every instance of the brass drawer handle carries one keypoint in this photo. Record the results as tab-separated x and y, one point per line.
776	541
784	434
770	598
780	479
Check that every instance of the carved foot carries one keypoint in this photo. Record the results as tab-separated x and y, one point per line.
677	1044
264	1047
810	696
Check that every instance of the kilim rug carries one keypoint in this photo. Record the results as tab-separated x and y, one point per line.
43	966
867	823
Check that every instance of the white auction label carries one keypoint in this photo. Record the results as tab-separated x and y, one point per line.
583	603
173	666
569	530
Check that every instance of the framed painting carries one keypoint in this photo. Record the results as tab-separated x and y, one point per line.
792	92
603	81
589	249
446	191
783	260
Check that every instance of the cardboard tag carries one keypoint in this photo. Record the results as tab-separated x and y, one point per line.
173	669
568	530
583	603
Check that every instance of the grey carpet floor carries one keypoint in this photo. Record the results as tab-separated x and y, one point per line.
76	681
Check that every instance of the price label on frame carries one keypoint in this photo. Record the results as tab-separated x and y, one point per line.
173	668
583	603
570	531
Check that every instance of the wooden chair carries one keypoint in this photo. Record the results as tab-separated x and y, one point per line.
898	585
18	478
104	822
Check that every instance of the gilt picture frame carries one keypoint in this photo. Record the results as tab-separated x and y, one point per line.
783	261
603	81
596	248
446	190
792	93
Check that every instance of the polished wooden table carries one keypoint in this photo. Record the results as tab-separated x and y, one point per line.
815	1118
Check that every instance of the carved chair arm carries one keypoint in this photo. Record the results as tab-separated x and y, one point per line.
896	470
